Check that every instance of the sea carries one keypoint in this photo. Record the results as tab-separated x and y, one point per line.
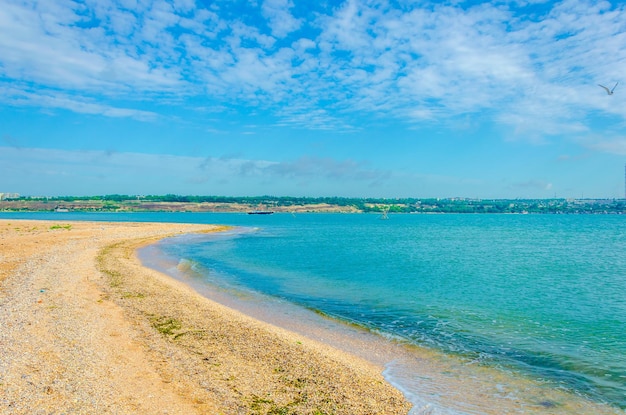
466	313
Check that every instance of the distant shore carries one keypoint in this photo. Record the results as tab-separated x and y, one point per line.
88	329
293	205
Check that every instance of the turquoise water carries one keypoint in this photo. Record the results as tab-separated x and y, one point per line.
540	295
544	294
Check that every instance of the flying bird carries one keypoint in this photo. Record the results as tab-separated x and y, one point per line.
609	91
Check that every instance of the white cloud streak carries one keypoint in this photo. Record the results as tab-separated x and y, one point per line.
33	170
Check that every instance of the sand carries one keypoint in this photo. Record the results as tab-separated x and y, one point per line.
86	329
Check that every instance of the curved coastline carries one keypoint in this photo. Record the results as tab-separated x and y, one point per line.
434	382
91	330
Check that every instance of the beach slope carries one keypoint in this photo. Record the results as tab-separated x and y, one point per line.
87	329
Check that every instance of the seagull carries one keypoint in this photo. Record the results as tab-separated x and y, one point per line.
609	91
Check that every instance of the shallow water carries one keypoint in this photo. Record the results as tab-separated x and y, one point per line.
477	313
539	295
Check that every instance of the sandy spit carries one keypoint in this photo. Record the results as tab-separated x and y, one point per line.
86	329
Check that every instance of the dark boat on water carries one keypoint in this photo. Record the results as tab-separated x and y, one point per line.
260	212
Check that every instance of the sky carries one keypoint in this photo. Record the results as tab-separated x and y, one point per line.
354	98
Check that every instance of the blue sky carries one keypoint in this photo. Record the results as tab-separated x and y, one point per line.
349	98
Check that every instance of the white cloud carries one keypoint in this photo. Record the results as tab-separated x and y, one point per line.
184	6
81	105
612	145
280	20
538	185
80	172
364	58
325	167
50	48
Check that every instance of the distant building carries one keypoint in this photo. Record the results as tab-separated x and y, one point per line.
9	196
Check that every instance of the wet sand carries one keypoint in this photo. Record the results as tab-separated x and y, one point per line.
87	329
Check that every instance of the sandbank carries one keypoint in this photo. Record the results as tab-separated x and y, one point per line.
86	329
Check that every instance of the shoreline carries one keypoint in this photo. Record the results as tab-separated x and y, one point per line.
79	335
91	330
433	381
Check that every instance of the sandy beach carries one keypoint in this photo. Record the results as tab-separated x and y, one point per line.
87	329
